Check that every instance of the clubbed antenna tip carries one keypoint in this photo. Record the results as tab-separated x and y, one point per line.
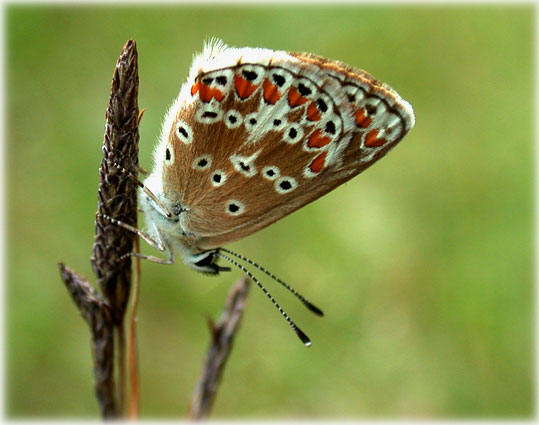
305	302
314	308
304	338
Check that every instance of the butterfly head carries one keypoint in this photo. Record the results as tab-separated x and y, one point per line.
206	262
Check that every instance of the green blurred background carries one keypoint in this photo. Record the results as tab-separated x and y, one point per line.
423	264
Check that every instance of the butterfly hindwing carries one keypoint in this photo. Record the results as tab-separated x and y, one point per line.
256	134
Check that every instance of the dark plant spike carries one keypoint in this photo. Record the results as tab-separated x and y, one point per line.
301	335
117	193
97	314
223	334
304	301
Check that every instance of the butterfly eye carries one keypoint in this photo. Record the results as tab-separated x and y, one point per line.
285	185
234	207
184	132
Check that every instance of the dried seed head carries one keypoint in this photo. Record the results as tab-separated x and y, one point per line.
117	193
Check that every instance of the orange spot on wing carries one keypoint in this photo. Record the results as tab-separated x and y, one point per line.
218	94
317	140
271	93
371	140
318	163
295	98
313	114
243	87
195	88
362	120
206	93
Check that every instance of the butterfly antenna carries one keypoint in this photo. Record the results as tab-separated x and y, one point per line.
304	338
305	302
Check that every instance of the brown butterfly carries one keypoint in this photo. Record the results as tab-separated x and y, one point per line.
254	135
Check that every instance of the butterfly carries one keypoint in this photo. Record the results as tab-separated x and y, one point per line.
254	135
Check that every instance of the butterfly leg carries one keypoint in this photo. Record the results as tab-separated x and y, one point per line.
153	259
163	209
140	114
157	244
143	171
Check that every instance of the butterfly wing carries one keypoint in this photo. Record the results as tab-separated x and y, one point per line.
256	134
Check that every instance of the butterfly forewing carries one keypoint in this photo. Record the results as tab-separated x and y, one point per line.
256	134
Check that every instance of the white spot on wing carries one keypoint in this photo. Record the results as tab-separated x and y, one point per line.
252	70
308	173
209	114
303	84
251	121
184	132
233	119
281	78
218	178
169	155
202	162
293	133
278	123
234	207
221	80
244	164
285	184
271	172
324	100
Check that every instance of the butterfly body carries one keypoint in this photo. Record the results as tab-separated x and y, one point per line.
256	134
